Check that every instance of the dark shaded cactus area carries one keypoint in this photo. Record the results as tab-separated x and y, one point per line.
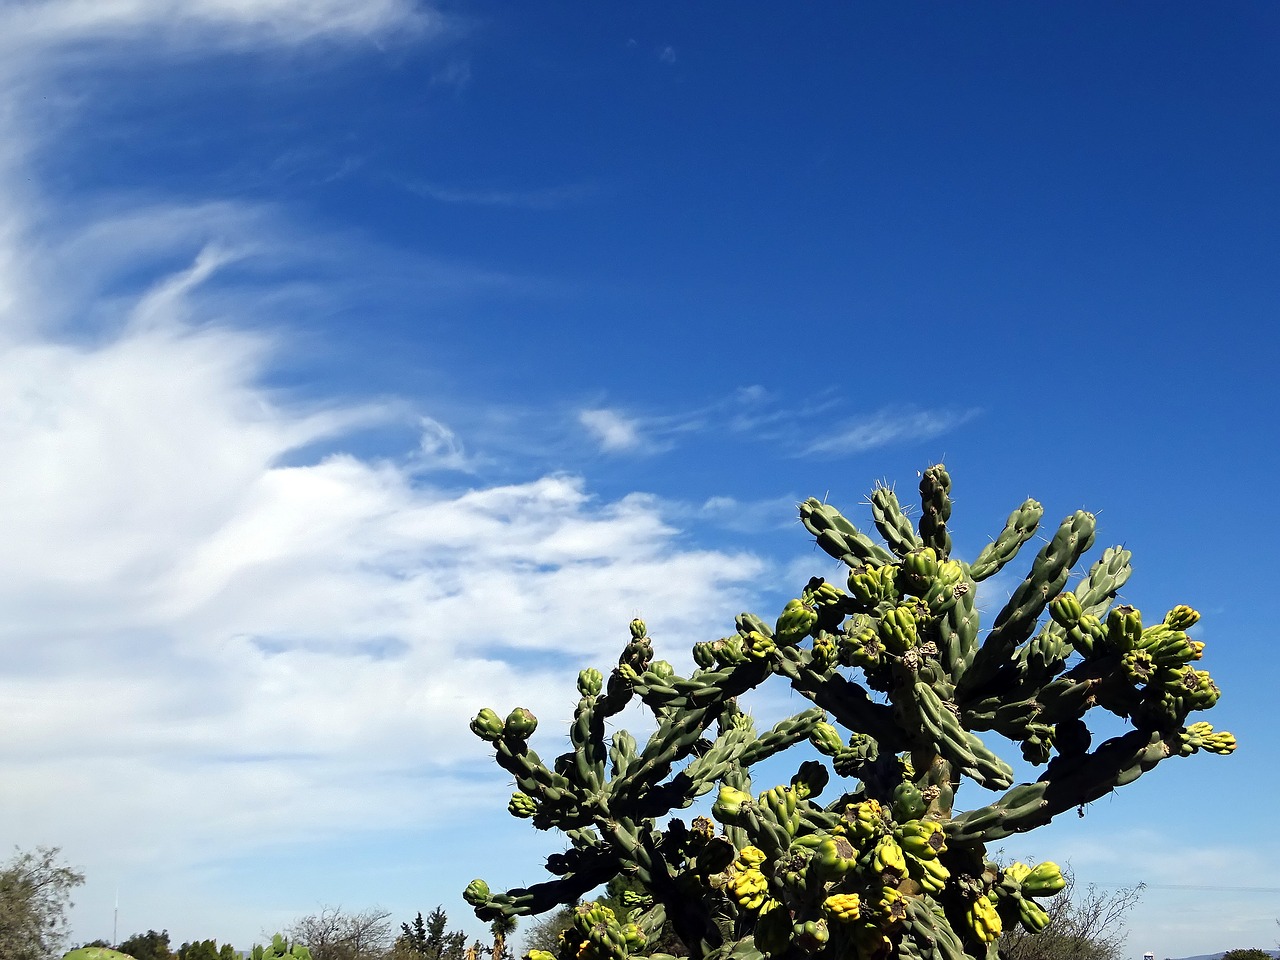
904	685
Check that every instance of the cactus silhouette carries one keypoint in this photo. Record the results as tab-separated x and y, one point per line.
889	867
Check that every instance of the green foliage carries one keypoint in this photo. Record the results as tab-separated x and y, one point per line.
148	946
279	949
1251	953
544	933
205	950
903	684
35	893
430	939
96	950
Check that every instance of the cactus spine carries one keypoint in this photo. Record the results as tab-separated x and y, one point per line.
888	867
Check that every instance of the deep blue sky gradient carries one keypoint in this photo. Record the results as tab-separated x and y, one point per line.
1053	226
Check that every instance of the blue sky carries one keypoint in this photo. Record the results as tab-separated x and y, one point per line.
364	362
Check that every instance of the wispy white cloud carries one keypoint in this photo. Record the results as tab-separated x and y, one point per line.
886	427
538	198
206	23
614	432
754	414
184	606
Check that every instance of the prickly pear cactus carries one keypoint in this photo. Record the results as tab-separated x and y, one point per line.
279	950
889	867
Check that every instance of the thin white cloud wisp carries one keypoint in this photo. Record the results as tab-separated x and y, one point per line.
183	603
218	23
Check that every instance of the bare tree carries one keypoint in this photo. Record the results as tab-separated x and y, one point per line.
1083	925
35	892
333	934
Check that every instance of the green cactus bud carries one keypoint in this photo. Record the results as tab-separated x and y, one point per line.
487	725
730	651
1138	666
703	655
590	682
842	907
810	935
773	929
810	780
873	584
795	622
1017	871
825	652
716	855
908	804
729	803
477	893
1032	915
921	563
826	738
757	646
922	839
662	670
638	629
859	644
1124	628
522	806
1065	610
1044	880
1086	633
1182	617
833	857
519	725
864	819
898	629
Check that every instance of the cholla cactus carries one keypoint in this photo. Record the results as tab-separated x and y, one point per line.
889	867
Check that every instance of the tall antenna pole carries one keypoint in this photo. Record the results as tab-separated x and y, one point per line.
115	921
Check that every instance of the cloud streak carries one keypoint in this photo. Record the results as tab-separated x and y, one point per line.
544	198
235	24
885	428
753	414
188	613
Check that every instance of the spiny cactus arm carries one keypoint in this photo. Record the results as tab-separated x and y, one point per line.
696	779
780	736
586	734
892	522
1043	657
1016	622
541	897
962	748
692	917
1068	783
958	627
840	538
678	733
1018	529
930	929
935	499
848	702
532	775
1100	585
674	740
738	778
